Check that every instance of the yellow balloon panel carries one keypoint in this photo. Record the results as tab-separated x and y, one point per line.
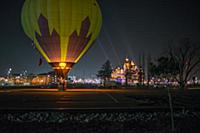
63	30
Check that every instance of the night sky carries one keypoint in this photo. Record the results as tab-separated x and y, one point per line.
130	27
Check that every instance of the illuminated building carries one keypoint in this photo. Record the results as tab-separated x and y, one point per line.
129	73
2	81
41	80
44	79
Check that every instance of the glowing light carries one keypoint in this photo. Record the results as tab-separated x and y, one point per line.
62	65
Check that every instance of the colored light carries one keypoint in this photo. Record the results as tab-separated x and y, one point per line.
62	65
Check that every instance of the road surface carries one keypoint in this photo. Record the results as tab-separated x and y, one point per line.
91	99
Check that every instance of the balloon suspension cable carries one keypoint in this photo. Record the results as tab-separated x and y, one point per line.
62	69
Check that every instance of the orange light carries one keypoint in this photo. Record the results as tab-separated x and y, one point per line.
62	65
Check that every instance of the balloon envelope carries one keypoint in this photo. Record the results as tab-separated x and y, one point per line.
62	30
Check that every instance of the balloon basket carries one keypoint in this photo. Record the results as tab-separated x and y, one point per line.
61	89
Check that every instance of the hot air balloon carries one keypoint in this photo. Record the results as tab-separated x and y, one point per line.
62	30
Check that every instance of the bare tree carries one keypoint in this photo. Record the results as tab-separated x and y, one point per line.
187	56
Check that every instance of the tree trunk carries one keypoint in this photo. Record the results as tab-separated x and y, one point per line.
126	81
182	85
104	82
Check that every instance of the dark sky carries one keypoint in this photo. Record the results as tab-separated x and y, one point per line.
130	27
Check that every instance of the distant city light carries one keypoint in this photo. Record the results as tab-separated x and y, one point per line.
118	76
